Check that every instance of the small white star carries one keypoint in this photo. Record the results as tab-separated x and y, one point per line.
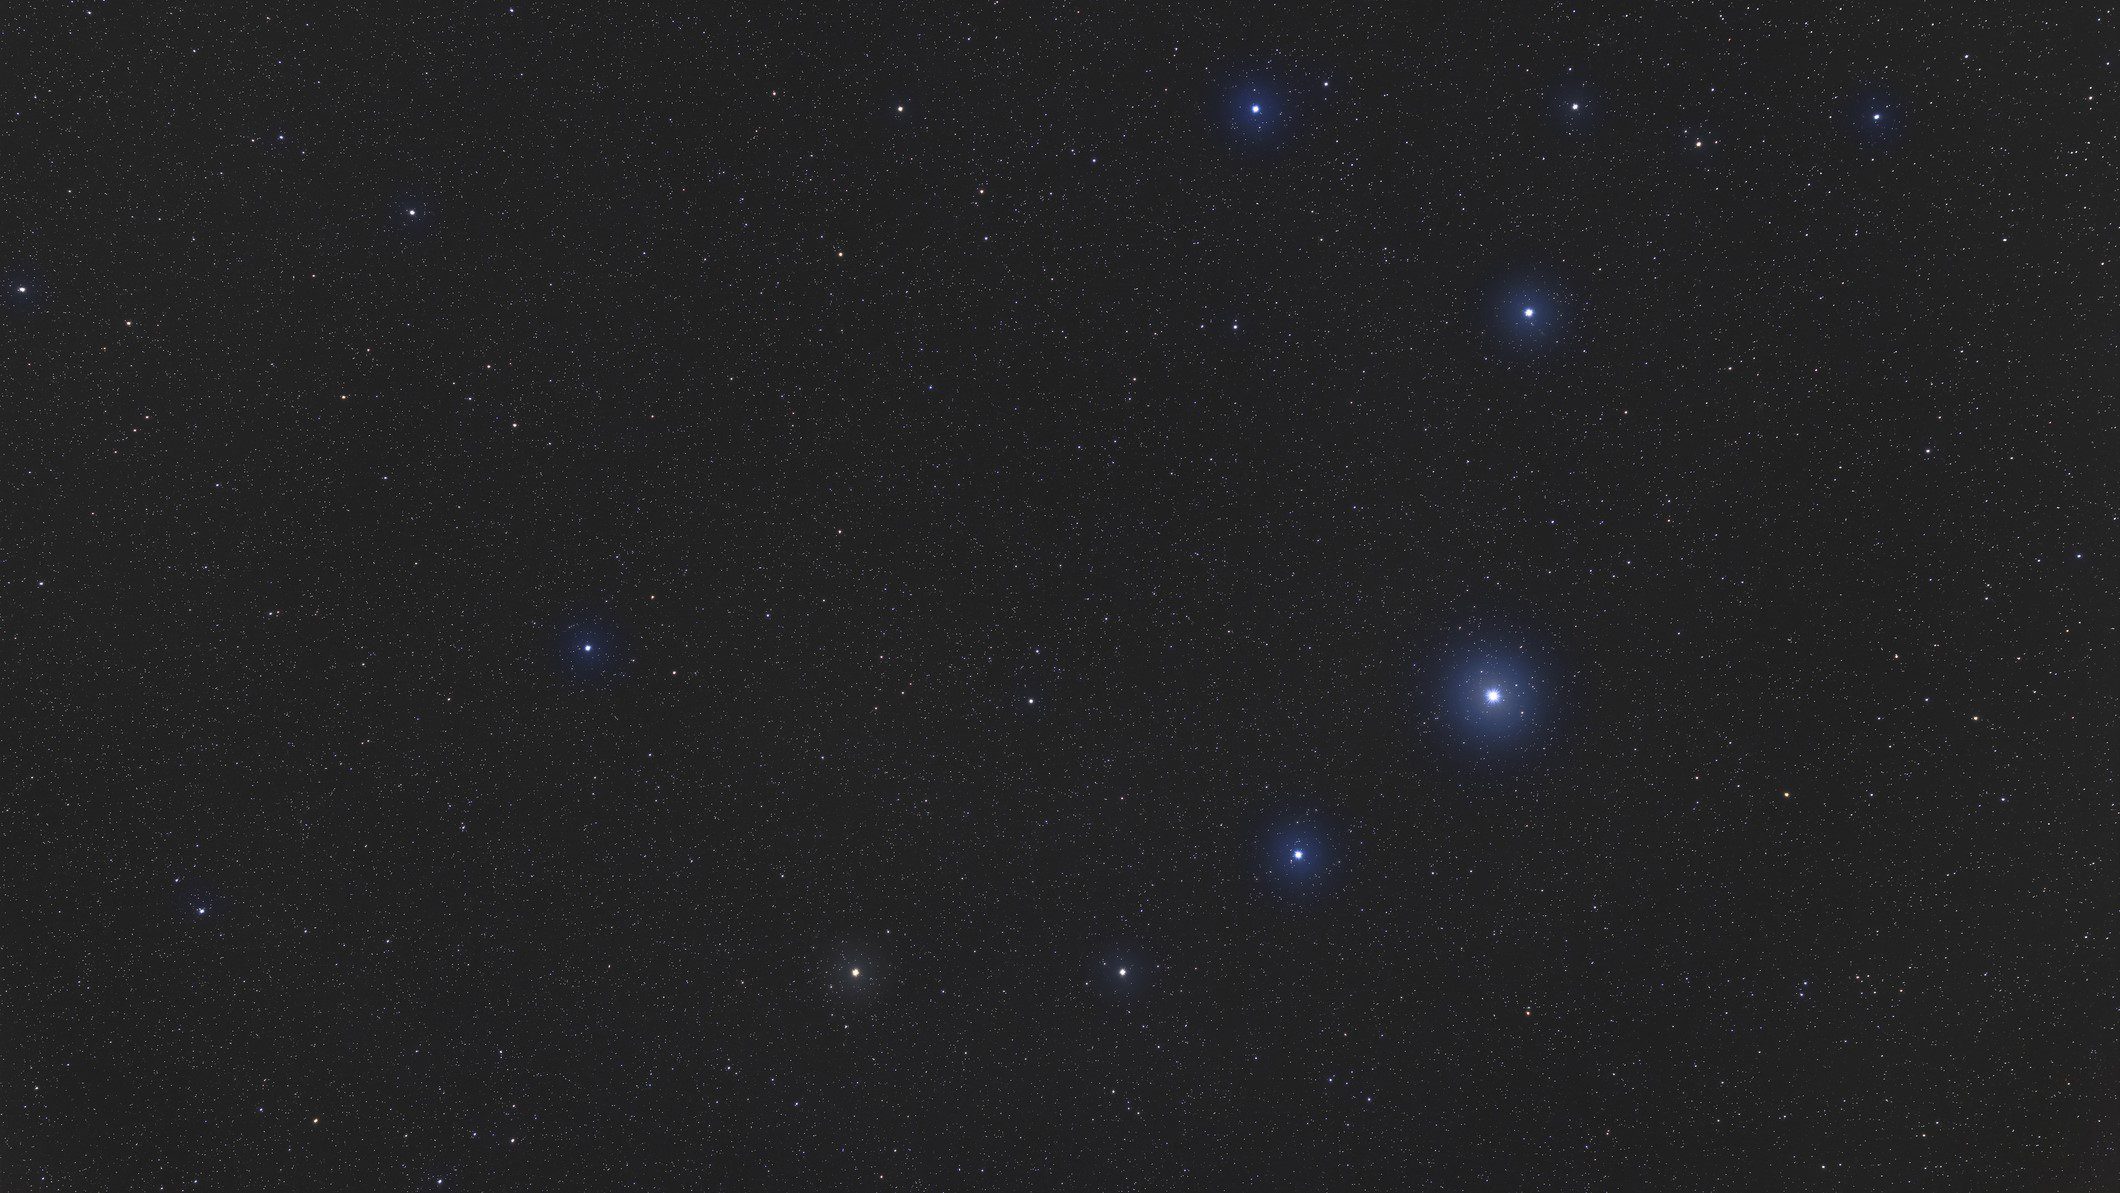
200	910
1122	971
1876	115
1528	312
586	647
1575	107
416	211
22	289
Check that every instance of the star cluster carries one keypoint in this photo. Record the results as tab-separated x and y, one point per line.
991	596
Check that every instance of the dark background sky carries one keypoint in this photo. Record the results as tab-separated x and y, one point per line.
545	538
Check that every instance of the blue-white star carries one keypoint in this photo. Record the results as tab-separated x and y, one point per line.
1528	312
586	647
1299	855
1255	109
1494	695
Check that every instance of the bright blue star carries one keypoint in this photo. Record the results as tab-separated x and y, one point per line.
1528	312
1494	695
1876	115
200	910
1299	855
1255	109
587	647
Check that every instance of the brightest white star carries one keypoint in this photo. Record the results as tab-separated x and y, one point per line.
1255	109
1299	855
1494	695
1122	971
1528	312
855	972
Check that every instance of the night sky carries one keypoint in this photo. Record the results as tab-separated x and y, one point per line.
1020	596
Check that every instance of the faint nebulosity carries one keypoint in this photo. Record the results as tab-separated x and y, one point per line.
1017	596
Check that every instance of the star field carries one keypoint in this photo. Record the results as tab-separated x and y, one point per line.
1152	597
